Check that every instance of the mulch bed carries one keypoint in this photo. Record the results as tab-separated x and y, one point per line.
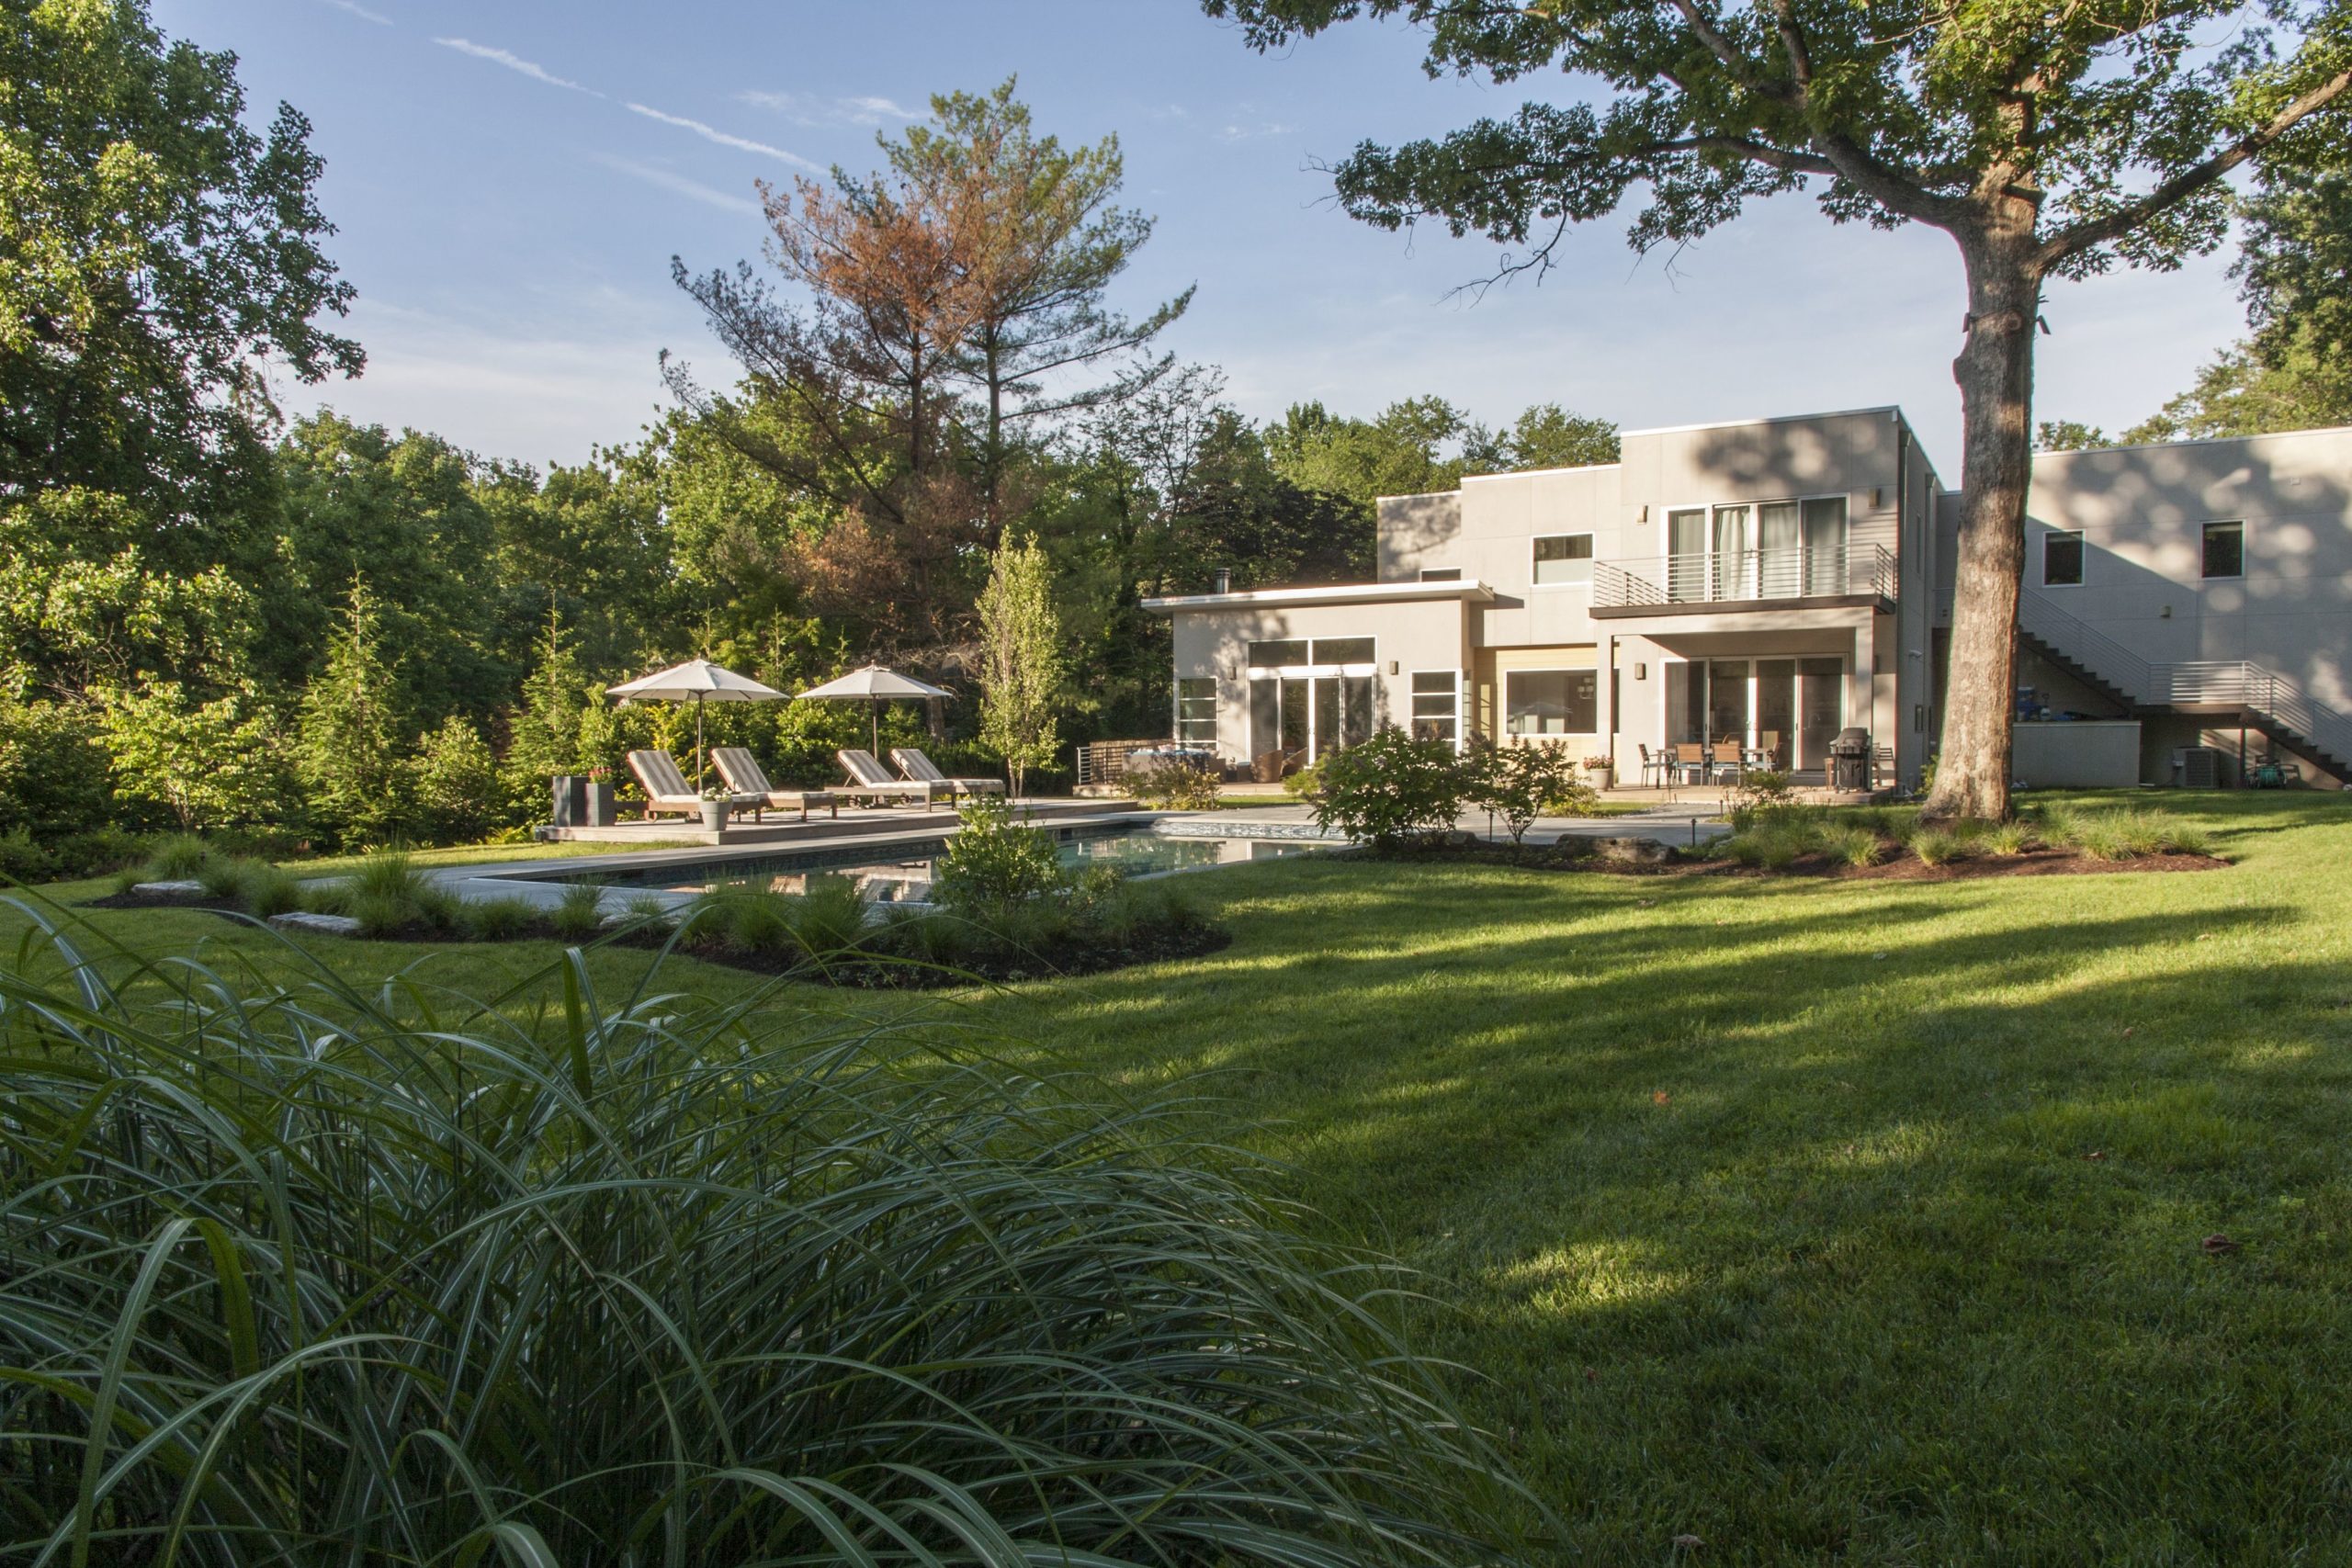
165	901
896	975
914	974
1679	863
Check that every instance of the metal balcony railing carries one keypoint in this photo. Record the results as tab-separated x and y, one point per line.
1744	577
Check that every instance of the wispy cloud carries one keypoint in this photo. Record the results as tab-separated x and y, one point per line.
712	133
515	63
362	12
671	180
1237	132
802	109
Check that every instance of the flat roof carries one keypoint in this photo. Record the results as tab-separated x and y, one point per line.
2336	430
1326	593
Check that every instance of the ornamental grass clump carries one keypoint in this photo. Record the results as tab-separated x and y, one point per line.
294	1279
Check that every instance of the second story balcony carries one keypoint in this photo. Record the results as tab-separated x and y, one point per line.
1709	581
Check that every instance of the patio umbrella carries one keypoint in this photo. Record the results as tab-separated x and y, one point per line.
874	684
697	680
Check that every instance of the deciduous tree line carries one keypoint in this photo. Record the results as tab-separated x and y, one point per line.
214	617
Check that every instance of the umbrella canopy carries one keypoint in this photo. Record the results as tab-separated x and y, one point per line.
697	680
872	683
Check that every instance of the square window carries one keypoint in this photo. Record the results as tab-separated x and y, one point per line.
2225	550
1196	710
1551	702
2062	559
1564	558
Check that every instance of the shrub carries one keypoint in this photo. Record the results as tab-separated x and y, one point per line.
579	914
1305	784
179	857
2130	835
898	1302
1854	846
498	919
2006	839
1174	785
256	886
454	777
1936	846
831	916
742	921
993	863
648	913
1390	787
389	897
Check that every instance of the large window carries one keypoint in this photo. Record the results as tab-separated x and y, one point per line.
2062	559
1437	705
1552	701
1271	655
2225	550
1196	711
1564	558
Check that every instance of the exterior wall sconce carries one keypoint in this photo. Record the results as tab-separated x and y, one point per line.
1878	499
1641	671
2165	612
1644	516
1391	667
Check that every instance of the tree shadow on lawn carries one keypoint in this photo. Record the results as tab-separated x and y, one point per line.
1811	1194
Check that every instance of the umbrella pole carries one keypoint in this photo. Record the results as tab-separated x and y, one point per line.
875	739
697	741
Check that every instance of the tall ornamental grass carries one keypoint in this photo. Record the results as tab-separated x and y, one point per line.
295	1274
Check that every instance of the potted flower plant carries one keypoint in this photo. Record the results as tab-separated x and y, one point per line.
716	801
1598	769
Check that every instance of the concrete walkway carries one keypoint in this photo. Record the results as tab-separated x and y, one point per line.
1680	823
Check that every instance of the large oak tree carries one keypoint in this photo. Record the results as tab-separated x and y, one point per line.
2048	140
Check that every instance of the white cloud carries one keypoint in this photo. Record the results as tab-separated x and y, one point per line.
879	106
362	12
536	71
1236	132
711	133
671	180
802	109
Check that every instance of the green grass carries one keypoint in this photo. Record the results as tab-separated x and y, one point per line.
1766	1211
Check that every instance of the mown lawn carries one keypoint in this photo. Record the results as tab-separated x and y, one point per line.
1853	1223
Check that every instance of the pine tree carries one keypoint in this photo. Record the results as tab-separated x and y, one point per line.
543	737
349	751
1021	664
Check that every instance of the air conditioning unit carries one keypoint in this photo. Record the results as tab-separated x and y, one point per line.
2196	767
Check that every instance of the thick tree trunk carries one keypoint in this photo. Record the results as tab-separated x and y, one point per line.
1996	375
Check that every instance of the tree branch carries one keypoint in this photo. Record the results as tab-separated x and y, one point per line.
2123	220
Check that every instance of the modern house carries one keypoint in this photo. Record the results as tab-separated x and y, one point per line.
1769	583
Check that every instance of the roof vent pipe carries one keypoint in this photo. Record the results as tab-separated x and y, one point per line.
1223	580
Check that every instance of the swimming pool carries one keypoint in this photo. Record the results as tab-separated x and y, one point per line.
900	873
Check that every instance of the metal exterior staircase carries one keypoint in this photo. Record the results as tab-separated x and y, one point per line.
2272	702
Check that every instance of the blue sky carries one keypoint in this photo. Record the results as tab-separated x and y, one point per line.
511	178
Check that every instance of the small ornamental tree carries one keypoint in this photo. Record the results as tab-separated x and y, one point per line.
2047	140
1518	784
1391	787
454	779
210	764
1021	659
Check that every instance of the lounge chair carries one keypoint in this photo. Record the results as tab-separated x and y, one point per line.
667	791
743	776
921	769
869	780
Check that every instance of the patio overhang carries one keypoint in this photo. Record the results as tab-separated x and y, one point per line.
1469	592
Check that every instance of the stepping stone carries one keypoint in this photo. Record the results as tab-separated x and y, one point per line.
168	889
325	925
